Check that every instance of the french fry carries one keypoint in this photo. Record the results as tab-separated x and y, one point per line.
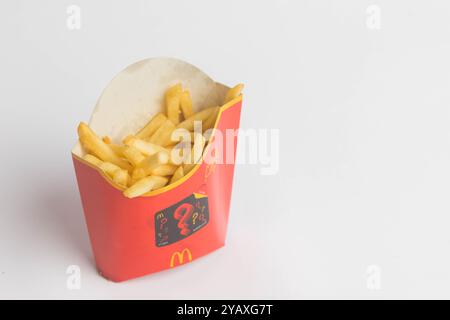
138	174
180	135
109	168
145	185
146	148
162	135
186	104
172	99
129	137
159	182
133	155
199	145
164	170
173	108
152	162
92	159
196	153
188	124
211	121
121	177
177	175
116	148
233	92
174	90
151	126
191	137
179	152
97	147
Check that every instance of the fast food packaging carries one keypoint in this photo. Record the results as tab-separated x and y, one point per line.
181	222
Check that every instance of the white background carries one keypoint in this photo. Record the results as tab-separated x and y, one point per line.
363	116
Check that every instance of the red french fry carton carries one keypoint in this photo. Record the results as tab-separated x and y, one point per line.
180	222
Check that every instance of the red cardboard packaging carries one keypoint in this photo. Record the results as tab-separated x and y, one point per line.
180	222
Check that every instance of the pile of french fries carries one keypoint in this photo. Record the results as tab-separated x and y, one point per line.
158	154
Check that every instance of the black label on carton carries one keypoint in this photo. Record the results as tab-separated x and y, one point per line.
181	220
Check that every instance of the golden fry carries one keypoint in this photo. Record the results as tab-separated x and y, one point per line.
97	147
178	174
180	135
152	162
92	159
173	109
116	148
174	90
196	153
188	124
233	92
164	170
109	168
151	126
133	155
211	121
146	148
145	185
186	104
162	135
179	152
121	177
138	174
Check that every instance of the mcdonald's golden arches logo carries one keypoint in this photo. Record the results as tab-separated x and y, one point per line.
180	256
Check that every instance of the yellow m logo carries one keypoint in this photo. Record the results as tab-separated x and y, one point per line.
180	256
